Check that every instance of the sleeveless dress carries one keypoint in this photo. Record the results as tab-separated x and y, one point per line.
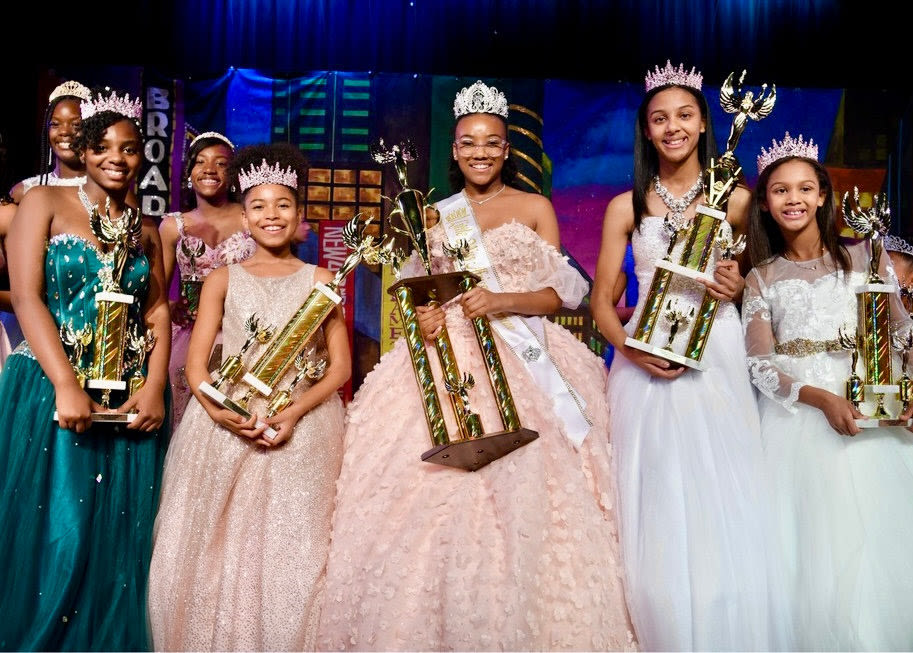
692	492
844	514
242	533
520	555
77	510
234	249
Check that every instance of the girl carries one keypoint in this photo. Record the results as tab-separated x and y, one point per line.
845	521
242	533
207	236
79	497
687	443
521	554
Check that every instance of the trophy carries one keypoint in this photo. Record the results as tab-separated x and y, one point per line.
874	338
471	447
698	237
193	283
282	351
111	335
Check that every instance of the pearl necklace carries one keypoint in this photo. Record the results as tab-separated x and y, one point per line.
678	206
491	197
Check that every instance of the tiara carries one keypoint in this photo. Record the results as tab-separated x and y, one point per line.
70	89
669	75
479	98
215	135
267	174
122	105
894	243
789	146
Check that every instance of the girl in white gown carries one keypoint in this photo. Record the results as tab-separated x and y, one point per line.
691	491
844	513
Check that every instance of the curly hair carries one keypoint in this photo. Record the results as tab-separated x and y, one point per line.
188	197
94	127
284	154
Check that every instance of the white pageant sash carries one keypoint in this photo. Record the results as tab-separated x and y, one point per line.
524	335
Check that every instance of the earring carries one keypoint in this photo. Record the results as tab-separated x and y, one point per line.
233	189
189	183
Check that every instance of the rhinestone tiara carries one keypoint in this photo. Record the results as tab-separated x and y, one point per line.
479	98
670	75
789	146
122	105
70	89
894	243
216	135
267	174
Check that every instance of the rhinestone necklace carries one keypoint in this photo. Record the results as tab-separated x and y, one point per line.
87	203
490	197
678	206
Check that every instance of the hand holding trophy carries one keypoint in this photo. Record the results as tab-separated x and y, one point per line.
875	340
471	448
696	240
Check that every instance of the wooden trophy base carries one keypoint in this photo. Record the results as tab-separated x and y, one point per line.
110	418
437	287
665	353
475	453
217	397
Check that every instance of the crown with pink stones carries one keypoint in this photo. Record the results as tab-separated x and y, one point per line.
267	174
671	75
894	243
479	98
70	89
215	135
113	102
789	146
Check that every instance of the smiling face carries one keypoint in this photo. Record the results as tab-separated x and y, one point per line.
115	160
480	147
793	195
272	215
63	125
209	172
674	124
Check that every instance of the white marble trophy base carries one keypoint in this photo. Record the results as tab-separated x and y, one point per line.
665	353
219	398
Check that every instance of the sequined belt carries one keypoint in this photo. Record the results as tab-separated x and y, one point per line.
806	347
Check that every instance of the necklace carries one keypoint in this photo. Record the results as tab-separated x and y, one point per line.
798	264
87	203
678	206
490	197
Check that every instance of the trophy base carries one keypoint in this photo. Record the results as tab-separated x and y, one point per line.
111	418
874	423
437	287
665	353
475	453
691	273
217	397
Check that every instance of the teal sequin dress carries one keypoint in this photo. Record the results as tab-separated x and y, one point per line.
76	510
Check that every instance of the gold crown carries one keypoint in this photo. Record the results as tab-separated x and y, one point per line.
70	89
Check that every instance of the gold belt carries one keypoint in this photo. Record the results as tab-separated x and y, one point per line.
806	347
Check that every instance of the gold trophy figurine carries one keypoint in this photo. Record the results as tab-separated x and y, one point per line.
903	342
76	341
697	238
307	369
874	337
139	345
281	351
192	284
471	447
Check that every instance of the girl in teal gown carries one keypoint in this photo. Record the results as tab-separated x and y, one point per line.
79	496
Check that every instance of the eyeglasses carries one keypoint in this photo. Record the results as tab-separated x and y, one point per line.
491	148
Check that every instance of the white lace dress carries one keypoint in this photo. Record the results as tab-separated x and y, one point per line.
691	490
843	505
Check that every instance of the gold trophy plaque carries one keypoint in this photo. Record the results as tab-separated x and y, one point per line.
471	447
874	342
698	237
280	352
111	336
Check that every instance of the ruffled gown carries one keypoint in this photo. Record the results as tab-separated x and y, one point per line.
242	534
692	492
519	555
77	510
844	514
234	249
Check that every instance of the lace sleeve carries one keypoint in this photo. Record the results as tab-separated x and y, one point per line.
553	270
759	346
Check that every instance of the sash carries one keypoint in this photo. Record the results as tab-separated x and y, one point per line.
524	335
